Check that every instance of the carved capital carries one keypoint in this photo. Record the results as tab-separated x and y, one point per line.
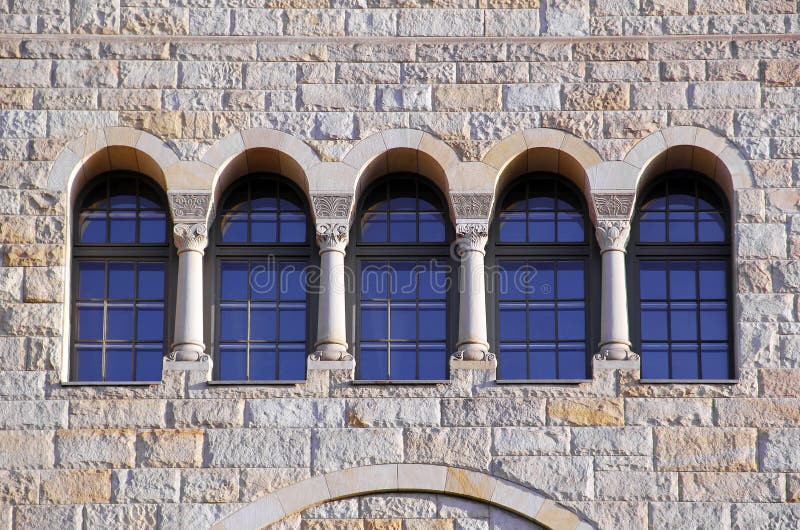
613	204
332	206
472	236
472	205
190	236
190	206
332	236
612	234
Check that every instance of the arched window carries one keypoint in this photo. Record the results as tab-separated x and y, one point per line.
681	279
261	253
545	272
121	251
403	273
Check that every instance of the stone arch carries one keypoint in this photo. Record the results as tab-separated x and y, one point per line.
689	147
421	478
259	149
542	149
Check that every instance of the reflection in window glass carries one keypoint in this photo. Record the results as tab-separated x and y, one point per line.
403	210
541	210
263	209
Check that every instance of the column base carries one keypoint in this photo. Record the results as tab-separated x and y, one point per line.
616	351
331	352
187	353
473	352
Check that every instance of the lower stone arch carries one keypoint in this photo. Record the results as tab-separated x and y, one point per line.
401	478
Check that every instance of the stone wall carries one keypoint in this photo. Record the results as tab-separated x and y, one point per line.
620	453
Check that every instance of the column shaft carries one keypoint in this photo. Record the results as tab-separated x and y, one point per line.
187	342
331	342
614	334
472	336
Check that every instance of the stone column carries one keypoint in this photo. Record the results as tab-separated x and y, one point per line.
473	344
615	345
190	240
331	324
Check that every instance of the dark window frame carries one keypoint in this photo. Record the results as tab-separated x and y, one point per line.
371	251
666	251
587	250
119	252
219	251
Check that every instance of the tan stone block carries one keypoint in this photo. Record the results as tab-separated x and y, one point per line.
16	98
732	487
33	255
19	487
467	97
17	229
170	448
597	96
782	72
333	524
554	516
610	51
429	524
705	449
779	382
383	524
165	124
664	7
76	486
26	449
585	411
101	448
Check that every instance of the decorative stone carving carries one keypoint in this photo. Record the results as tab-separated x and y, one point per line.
189	205
332	206
612	234
613	204
332	236
472	205
192	236
472	236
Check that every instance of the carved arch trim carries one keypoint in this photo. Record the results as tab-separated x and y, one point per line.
422	478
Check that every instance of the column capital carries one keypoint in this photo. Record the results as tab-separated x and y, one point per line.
613	205
332	235
472	236
190	206
190	236
612	234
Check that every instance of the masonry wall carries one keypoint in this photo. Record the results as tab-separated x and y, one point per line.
183	454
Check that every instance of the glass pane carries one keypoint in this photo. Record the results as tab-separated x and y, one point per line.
432	362
713	280
377	199
682	280
374	228
542	195
431	227
375	279
711	227
152	227
293	227
657	199
290	201
263	280
123	193
404	281
541	227
233	321
715	361
543	361
402	227
123	227
403	359
234	227
429	200
571	321
714	321
570	279
653	280
516	199
93	227
150	321
655	361
92	279
567	199
681	194
97	198
685	361
120	322
149	198
512	321
433	280
652	227
148	363
512	361
263	227
374	321
232	362
263	362
292	362
403	318
570	228
119	363
237	199
373	361
572	361
514	279
681	227
90	321
542	321
654	321
542	276
121	280
683	321
512	227
403	195
432	321
263	321
293	281
89	362
151	281
234	280
263	195
292	321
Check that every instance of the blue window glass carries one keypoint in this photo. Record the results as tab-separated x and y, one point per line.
403	210
542	210
683	281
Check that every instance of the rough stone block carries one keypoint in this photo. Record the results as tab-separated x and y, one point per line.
760	412
585	411
147	485
778	450
26	449
346	448
33	414
95	16
725	95
493	411
170	448
705	449
76	486
43	284
596	96
564	477
566	17
612	440
211	485
245	448
765	307
531	440
533	97
732	487
688	515
460	447
38	517
467	97
294	413
194	413
440	22
121	516
336	97
117	413
11	284
675	412
19	487
95	448
392	412
636	485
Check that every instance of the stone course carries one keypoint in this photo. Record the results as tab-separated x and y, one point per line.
469	73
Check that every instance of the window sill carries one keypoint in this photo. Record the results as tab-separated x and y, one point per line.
689	381
379	382
543	381
110	383
287	382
